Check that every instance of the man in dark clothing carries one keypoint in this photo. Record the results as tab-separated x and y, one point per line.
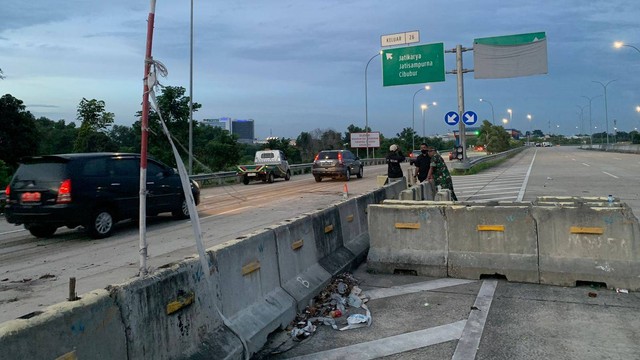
394	159
422	163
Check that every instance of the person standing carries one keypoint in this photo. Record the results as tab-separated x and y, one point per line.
422	163
438	172
394	159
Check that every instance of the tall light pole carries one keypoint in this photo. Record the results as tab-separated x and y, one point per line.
510	116
529	117
590	127
424	107
413	116
493	115
581	117
191	96
619	44
606	112
366	102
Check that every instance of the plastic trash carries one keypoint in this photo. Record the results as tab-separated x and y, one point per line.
302	333
342	288
354	300
610	200
623	291
358	320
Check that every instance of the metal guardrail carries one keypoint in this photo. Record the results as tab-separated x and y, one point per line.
231	177
469	164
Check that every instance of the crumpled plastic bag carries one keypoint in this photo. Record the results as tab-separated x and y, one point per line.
302	333
356	321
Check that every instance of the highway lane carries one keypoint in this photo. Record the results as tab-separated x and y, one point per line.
34	272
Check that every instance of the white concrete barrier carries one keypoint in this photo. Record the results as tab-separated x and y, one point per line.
488	240
334	256
588	243
90	328
301	274
408	238
249	287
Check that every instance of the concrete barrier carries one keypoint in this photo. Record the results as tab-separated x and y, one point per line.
408	194
586	243
249	287
492	240
390	191
301	274
355	229
334	256
172	314
408	238
90	328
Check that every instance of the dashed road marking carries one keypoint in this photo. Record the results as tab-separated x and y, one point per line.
613	176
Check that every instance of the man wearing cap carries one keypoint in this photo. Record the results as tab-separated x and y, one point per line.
394	159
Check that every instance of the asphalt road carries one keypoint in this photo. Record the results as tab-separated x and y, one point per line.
416	317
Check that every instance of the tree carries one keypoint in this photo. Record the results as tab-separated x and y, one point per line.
304	142
95	122
495	138
291	152
1	74
56	137
174	107
217	149
125	138
18	133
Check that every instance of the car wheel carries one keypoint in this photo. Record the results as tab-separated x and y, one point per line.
347	175
318	178
182	212
271	178
101	224
245	180
360	173
41	231
287	177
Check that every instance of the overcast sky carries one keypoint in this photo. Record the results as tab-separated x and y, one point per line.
295	66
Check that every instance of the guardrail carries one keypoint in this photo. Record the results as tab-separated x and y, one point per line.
469	164
230	177
621	148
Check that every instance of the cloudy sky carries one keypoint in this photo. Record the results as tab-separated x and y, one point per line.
296	65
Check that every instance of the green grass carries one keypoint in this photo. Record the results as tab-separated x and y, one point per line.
482	166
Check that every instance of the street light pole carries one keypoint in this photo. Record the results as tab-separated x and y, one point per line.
529	117
413	116
493	115
606	113
619	44
366	101
590	127
423	107
191	96
510	116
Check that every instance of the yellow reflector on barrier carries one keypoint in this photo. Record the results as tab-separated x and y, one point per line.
68	356
407	225
587	230
490	228
181	302
297	244
250	267
349	218
328	229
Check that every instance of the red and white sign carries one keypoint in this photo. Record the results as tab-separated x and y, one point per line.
359	140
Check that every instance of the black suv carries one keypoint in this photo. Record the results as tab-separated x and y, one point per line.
336	164
94	190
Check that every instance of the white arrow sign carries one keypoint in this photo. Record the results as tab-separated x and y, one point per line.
451	118
469	118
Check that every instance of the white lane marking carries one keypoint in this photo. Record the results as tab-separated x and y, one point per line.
613	176
586	164
526	178
12	231
225	212
573	159
470	339
615	158
393	344
413	288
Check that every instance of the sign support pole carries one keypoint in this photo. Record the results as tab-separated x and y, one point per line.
459	71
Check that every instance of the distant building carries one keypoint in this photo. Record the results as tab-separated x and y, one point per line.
224	123
244	129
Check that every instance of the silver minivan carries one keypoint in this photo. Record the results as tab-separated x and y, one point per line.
336	164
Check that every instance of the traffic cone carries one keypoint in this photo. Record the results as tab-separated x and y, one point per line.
345	192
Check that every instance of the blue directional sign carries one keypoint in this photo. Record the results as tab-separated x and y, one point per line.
451	118
469	118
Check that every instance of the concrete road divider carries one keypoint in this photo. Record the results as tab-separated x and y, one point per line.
249	287
89	328
334	256
492	240
410	238
589	243
173	314
355	230
300	272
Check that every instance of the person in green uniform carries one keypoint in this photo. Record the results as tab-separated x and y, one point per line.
438	172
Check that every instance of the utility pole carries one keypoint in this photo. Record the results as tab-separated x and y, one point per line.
459	71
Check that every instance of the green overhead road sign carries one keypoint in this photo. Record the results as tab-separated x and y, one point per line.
413	65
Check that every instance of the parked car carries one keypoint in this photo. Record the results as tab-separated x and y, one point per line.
413	155
94	190
336	164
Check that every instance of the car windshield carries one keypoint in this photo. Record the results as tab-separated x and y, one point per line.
38	173
328	155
